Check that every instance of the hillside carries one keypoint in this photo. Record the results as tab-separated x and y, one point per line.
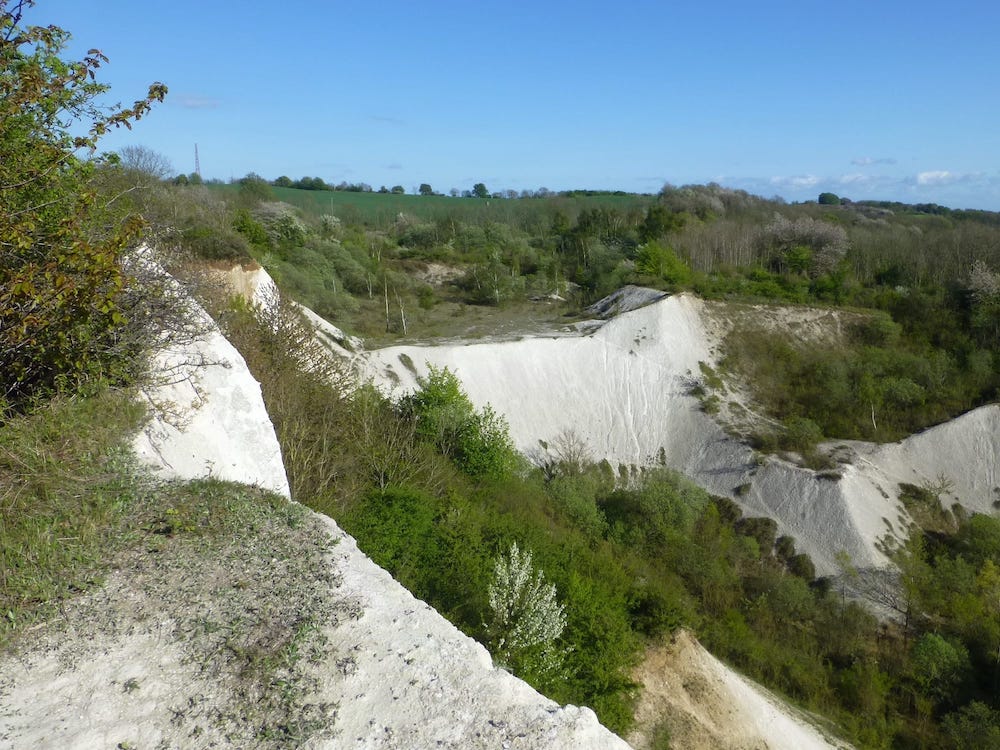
199	642
490	468
624	387
182	645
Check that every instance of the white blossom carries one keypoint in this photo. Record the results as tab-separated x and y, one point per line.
527	619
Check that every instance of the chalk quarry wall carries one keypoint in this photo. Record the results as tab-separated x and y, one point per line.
624	387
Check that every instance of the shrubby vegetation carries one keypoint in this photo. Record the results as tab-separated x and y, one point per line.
624	563
65	296
432	491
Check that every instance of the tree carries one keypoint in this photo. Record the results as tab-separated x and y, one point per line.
477	441
526	620
662	262
283	181
659	221
146	162
62	280
425	189
254	189
829	199
479	191
398	190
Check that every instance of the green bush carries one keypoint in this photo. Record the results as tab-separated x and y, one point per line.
801	434
62	279
477	441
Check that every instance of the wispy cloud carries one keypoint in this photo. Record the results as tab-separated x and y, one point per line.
946	177
855	178
796	181
867	161
383	119
395	165
937	177
193	101
940	185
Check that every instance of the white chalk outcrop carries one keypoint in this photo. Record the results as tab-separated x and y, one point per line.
624	387
415	681
209	419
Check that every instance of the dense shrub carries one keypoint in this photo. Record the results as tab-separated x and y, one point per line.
62	280
477	440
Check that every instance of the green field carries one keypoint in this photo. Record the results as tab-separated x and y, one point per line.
382	209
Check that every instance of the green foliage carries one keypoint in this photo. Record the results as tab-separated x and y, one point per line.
477	441
938	666
801	434
973	727
65	478
660	221
650	516
254	189
853	389
61	275
662	263
634	561
253	230
216	244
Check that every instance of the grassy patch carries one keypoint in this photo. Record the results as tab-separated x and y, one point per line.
924	506
65	479
89	542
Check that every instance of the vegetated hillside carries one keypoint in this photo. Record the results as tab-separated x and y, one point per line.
430	483
929	344
923	347
633	392
683	556
229	616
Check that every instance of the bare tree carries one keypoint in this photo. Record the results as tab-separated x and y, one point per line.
141	160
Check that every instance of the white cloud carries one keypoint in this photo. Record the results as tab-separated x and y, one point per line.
956	189
855	178
936	177
796	181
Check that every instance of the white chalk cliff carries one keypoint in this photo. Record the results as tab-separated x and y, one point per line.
624	387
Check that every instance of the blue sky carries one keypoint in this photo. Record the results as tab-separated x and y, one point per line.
877	99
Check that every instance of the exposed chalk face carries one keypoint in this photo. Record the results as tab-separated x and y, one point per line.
624	388
209	417
706	705
400	675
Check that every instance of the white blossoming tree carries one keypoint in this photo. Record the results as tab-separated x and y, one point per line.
526	618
